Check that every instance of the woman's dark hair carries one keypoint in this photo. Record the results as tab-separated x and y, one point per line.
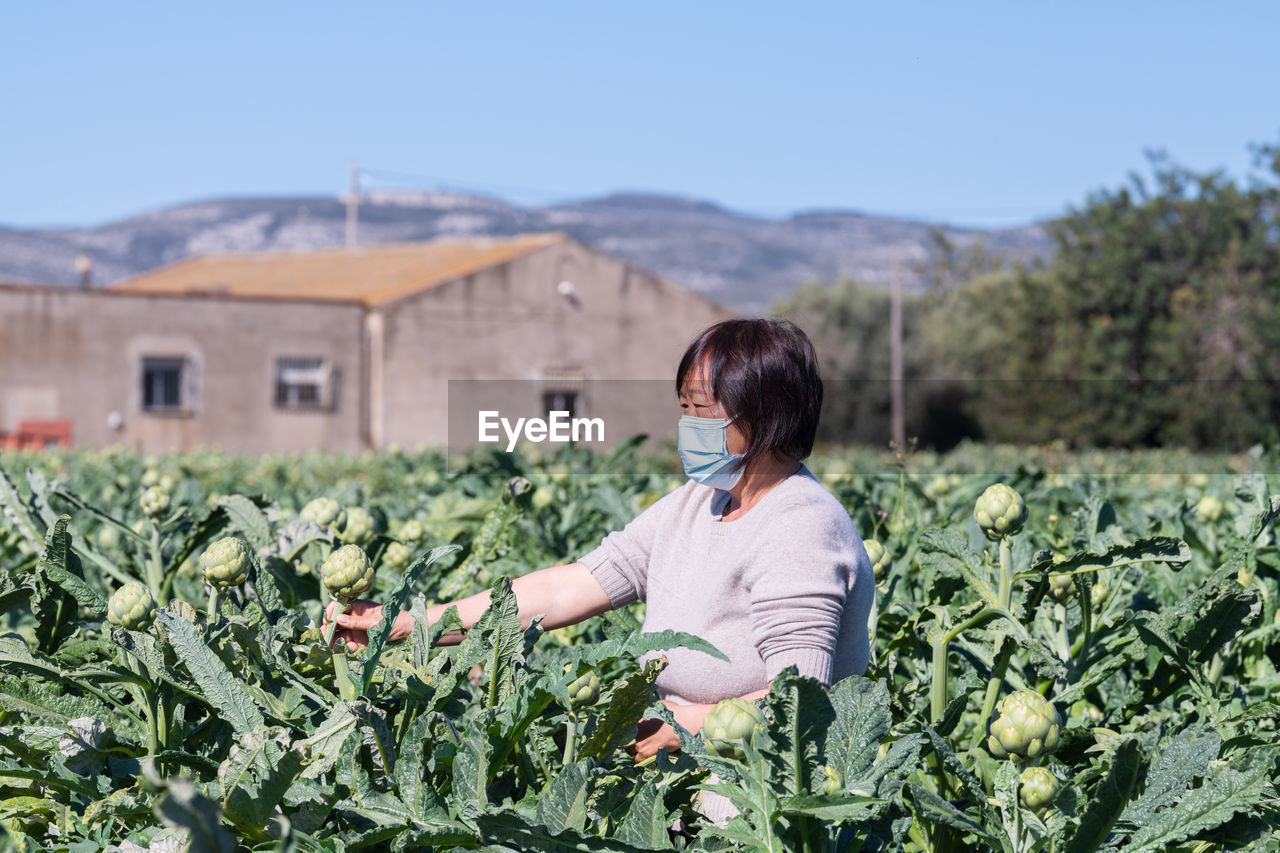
765	375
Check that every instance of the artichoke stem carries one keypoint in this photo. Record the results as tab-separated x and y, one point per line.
155	567
1006	573
1215	669
346	689
1000	666
1064	643
145	700
571	740
938	682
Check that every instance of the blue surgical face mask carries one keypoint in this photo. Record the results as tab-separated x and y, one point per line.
703	447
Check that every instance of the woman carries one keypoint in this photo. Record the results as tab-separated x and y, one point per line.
752	554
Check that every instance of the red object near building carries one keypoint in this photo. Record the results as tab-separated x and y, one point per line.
37	435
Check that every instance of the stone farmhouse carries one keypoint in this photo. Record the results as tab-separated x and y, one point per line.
346	350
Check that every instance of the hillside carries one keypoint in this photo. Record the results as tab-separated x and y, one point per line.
741	261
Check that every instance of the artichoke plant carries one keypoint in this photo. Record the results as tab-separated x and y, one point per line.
879	557
412	531
1060	586
1037	788
325	512
132	606
225	563
397	556
938	487
360	528
584	690
1027	725
1208	509
154	501
1000	511
108	538
832	784
729	725
347	574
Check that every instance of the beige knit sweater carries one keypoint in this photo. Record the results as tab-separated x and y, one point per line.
787	583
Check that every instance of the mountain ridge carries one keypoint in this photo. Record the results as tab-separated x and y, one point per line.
743	261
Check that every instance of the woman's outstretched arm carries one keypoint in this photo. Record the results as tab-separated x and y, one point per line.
564	594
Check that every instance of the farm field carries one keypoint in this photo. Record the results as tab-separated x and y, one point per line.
1091	667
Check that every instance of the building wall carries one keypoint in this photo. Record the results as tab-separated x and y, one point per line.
78	355
512	322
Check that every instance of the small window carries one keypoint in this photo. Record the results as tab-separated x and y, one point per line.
162	384
304	384
560	401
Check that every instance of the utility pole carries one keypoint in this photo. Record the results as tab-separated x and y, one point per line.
353	203
896	403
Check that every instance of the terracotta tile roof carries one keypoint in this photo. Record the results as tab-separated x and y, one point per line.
371	276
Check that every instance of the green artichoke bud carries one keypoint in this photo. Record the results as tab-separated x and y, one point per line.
1098	595
225	563
325	512
347	573
1000	511
543	497
413	531
584	690
360	528
1208	509
1037	788
1060	586
879	557
397	556
108	538
832	784
154	501
730	724
938	487
1026	725
132	606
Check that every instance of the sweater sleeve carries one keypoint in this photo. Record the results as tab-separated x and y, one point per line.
798	592
621	562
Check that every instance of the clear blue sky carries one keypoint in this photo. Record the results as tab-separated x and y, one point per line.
973	112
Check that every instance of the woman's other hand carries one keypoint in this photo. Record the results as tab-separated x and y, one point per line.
359	616
653	735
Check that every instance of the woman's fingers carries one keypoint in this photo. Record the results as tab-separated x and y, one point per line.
354	640
651	736
360	614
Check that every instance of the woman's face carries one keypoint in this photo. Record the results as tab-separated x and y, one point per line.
697	399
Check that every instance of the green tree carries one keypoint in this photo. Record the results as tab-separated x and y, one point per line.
849	325
1154	324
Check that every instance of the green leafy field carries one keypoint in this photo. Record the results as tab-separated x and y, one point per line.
1117	651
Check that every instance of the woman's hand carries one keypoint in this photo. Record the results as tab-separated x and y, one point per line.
359	616
653	735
